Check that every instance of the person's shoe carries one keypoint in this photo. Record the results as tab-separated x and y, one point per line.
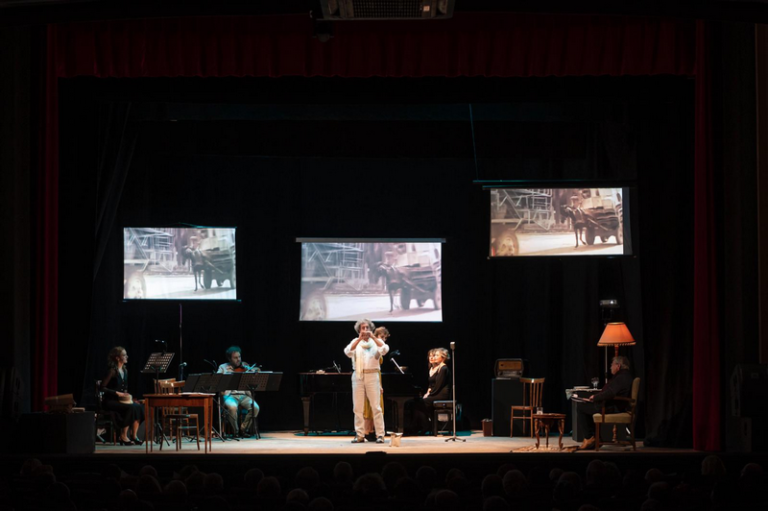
358	440
136	441
380	440
588	443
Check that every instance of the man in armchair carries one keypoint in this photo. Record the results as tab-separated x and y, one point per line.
619	386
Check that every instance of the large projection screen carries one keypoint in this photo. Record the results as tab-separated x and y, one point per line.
385	280
172	263
559	222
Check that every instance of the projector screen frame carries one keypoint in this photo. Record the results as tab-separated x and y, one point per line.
628	204
223	270
326	296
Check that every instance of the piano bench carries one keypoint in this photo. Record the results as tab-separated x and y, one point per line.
443	414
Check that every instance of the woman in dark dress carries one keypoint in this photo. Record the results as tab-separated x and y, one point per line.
438	389
439	377
118	400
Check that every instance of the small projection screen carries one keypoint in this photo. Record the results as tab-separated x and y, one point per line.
560	222
171	263
385	280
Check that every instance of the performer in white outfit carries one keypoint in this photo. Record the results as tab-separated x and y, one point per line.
365	352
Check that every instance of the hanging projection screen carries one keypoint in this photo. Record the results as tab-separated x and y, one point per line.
384	280
171	263
559	222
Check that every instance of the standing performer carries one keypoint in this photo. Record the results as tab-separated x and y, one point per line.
118	400
382	334
366	352
234	399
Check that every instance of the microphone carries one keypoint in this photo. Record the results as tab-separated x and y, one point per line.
336	366
212	363
183	364
395	353
453	346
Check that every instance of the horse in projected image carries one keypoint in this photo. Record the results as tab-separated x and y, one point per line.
578	219
395	280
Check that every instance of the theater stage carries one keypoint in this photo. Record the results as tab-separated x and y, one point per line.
292	443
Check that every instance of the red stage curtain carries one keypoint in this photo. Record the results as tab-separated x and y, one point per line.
706	324
470	44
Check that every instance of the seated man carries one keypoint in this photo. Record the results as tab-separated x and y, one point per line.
234	399
620	385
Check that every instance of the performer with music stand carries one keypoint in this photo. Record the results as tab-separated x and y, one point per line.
158	363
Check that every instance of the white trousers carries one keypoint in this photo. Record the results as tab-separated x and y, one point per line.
367	388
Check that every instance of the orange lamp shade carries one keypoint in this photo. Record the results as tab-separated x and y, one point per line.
616	334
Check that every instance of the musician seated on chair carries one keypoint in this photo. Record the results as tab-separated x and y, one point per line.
118	400
438	389
234	400
619	386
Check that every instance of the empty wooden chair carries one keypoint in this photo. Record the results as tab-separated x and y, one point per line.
178	416
533	390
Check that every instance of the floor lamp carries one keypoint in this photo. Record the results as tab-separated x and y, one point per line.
615	334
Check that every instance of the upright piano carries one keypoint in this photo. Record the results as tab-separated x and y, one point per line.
398	388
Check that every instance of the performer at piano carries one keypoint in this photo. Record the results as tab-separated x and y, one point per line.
232	400
383	334
619	385
366	352
118	400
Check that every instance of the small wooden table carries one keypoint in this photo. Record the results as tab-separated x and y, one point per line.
546	420
151	401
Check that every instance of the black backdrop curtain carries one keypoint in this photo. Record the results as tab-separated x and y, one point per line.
498	45
203	169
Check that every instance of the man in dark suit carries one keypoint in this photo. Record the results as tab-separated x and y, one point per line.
619	386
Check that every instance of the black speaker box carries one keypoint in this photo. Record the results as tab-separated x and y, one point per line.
57	433
506	393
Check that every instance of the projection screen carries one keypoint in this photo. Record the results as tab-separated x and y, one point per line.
172	263
386	280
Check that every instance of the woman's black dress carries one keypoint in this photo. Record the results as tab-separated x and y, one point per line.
126	413
440	385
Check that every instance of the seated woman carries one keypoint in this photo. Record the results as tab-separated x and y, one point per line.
118	400
438	389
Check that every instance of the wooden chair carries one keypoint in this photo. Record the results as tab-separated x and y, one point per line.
178	415
158	382
627	418
533	390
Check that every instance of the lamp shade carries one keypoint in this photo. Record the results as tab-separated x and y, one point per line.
616	334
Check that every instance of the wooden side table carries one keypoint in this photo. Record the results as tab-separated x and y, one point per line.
546	420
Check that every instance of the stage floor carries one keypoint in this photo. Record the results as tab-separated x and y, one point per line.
292	443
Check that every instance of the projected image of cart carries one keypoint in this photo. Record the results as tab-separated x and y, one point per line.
558	222
169	263
392	281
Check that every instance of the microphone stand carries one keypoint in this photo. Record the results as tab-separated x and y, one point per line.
453	391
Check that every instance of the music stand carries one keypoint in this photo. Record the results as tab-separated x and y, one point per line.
208	383
158	363
259	382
